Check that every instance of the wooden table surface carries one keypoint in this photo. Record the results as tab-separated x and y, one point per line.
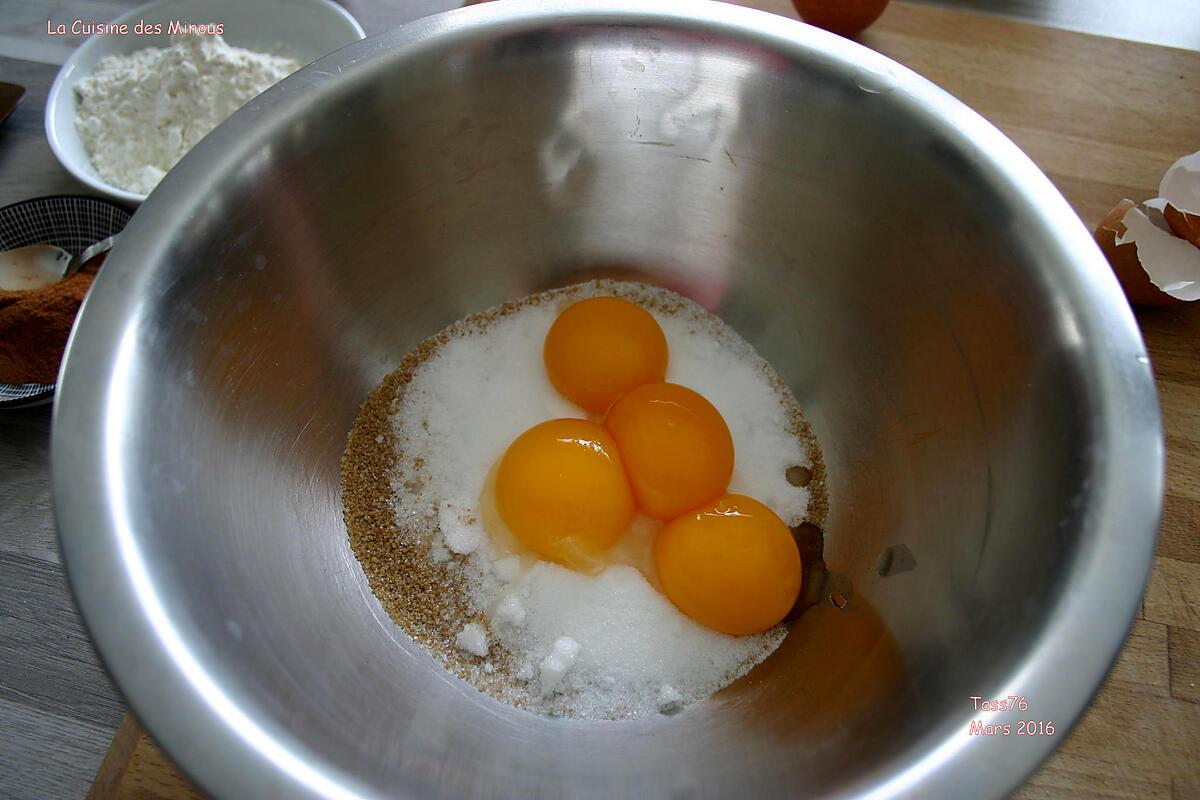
1104	118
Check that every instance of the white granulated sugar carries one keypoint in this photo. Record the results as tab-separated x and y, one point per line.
462	409
138	114
510	611
631	641
598	646
555	666
506	568
706	356
472	639
460	536
669	698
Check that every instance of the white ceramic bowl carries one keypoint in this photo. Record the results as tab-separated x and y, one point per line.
301	29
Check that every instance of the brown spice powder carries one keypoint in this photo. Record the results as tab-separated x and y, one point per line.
34	326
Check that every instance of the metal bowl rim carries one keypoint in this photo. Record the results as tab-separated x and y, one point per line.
230	754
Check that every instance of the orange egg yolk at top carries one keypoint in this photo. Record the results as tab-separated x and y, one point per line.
561	489
600	348
675	445
732	566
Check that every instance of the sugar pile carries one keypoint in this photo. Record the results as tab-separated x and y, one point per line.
608	645
139	113
631	644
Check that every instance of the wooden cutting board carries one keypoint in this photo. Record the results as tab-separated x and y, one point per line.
1104	119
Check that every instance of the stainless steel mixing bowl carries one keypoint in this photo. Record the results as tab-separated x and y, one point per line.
974	375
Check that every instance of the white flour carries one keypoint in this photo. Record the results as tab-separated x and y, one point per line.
139	113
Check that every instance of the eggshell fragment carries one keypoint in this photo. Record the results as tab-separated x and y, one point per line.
1180	188
1124	259
1155	268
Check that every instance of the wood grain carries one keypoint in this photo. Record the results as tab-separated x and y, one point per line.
27	164
46	752
1104	119
1183	647
115	765
39	637
135	769
57	706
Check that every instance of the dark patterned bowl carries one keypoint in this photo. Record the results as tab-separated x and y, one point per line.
72	222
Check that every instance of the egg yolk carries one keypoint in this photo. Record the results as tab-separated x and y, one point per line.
602	347
732	566
561	489
676	447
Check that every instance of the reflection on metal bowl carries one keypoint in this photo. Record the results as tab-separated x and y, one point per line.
974	376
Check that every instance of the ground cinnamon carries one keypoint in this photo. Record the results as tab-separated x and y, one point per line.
34	326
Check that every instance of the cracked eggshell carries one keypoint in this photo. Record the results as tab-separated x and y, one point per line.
1155	267
1124	259
1180	188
